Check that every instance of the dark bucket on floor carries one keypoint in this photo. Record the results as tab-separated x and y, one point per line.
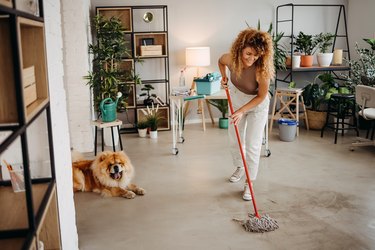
287	129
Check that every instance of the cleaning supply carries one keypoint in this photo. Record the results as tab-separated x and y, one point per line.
255	223
182	79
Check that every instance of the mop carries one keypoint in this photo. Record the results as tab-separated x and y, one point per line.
256	223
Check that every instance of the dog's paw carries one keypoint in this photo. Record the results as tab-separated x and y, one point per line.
106	193
140	191
129	195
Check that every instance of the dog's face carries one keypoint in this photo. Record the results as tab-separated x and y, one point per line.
113	169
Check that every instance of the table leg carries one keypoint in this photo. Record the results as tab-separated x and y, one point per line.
119	137
96	140
113	140
102	139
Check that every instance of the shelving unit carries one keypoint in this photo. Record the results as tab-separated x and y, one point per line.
149	62
291	9
29	217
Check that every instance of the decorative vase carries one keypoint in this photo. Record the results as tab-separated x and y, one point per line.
223	123
324	59
153	134
307	60
142	132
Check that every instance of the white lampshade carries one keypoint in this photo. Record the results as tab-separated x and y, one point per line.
198	56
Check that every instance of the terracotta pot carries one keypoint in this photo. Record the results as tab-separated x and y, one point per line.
307	60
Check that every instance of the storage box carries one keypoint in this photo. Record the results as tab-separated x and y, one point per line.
29	85
207	87
151	50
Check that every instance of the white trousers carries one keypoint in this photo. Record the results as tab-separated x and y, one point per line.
251	128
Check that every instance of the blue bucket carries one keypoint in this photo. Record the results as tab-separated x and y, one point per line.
287	129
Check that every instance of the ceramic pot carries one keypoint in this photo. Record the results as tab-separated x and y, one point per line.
142	132
324	59
307	60
154	134
223	123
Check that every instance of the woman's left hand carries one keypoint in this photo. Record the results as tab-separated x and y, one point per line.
237	116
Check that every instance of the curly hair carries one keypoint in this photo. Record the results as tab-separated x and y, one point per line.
262	43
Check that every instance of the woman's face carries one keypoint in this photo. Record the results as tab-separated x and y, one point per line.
249	56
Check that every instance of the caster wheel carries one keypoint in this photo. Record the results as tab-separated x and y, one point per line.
182	139
351	149
175	151
268	153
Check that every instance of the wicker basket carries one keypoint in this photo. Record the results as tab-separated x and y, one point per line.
316	119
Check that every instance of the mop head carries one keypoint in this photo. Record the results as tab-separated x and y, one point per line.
259	225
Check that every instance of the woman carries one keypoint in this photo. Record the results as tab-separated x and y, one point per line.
250	63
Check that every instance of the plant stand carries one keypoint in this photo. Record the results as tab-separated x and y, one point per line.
100	124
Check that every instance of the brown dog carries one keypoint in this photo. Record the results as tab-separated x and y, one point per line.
109	174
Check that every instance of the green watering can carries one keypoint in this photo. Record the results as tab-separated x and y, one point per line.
109	108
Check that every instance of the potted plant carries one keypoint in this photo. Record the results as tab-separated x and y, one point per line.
142	126
314	97
153	119
324	41
362	70
149	99
108	49
222	106
306	45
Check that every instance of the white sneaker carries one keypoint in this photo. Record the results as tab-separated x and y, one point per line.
237	175
246	193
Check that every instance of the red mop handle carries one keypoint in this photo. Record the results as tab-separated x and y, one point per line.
242	155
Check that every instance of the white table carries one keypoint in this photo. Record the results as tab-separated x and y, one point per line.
177	104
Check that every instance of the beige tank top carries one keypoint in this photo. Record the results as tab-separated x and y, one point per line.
247	82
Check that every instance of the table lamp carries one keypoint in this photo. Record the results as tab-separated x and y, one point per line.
197	57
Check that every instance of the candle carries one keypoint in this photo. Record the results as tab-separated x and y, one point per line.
337	57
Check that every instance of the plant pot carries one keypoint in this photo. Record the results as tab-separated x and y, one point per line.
307	60
142	132
296	61
153	134
288	61
223	123
324	59
316	119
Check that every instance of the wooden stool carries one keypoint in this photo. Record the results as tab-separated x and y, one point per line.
100	124
288	97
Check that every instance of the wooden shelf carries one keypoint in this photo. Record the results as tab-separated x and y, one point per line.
315	68
7	3
13	215
158	38
8	107
164	113
32	52
124	14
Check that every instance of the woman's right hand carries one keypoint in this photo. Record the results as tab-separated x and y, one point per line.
224	82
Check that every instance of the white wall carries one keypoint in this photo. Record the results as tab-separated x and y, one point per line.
76	30
216	23
60	129
361	22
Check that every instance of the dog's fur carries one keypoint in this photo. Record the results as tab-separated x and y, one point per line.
109	174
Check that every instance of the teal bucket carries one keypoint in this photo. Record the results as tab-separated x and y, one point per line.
109	110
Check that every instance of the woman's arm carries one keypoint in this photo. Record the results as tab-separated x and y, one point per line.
223	62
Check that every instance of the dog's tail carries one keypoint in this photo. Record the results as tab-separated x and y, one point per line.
76	156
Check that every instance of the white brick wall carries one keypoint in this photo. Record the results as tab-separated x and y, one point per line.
75	20
54	46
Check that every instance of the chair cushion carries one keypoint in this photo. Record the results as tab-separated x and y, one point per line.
368	113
